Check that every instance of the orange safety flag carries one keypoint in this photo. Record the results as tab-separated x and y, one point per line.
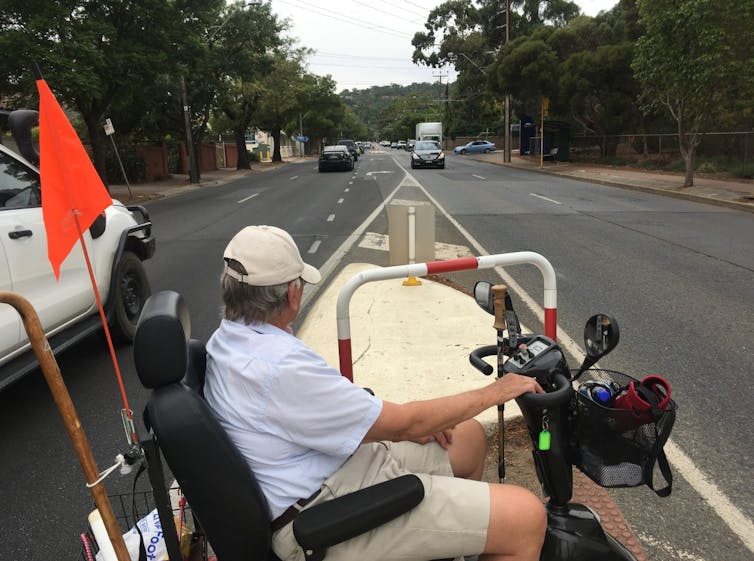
73	194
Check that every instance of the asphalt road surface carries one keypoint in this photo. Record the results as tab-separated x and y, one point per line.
677	275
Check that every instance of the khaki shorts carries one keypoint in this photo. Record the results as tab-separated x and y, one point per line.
450	522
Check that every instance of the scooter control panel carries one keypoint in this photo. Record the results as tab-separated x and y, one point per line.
528	352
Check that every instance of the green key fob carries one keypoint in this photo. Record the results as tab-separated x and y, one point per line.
544	440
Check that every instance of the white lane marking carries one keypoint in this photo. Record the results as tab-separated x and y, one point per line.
331	218
443	251
340	201
247	198
731	515
346	190
350	182
668	548
546	199
478	176
742	526
310	290
314	247
294	177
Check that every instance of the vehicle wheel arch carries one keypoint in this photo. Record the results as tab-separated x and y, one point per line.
128	245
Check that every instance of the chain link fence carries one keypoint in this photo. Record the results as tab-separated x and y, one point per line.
718	152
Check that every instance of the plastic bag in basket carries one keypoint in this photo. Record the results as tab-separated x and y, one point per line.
152	536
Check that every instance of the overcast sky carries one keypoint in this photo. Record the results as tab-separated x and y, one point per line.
363	43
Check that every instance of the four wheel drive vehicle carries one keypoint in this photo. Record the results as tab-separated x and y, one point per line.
352	148
427	153
117	243
475	147
335	157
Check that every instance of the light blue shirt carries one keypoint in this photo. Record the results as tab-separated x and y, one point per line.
295	419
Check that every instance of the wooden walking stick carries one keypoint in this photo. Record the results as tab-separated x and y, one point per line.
62	398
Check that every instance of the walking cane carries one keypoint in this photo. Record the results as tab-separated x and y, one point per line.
62	398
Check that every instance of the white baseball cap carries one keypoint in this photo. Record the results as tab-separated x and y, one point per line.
270	257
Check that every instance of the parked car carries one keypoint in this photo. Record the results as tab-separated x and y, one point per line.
410	144
475	147
335	157
401	145
393	145
427	153
117	243
352	148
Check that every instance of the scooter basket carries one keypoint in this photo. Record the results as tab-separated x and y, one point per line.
620	447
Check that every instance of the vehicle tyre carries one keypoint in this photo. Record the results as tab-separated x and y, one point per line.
321	169
463	152
487	150
131	290
442	165
413	166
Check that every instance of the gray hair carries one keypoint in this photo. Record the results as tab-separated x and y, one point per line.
252	304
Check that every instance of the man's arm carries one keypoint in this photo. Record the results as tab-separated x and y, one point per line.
416	419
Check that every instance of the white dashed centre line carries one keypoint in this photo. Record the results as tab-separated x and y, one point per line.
546	199
247	198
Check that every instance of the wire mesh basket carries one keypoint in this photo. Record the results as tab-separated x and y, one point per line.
618	447
131	507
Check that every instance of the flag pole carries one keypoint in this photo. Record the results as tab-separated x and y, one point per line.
51	372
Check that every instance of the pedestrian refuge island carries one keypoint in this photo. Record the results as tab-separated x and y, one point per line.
437	267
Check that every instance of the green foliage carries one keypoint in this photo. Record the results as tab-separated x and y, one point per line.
379	107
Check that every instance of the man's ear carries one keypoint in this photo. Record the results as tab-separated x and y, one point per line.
293	292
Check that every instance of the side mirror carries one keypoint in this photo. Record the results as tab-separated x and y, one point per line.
601	335
484	297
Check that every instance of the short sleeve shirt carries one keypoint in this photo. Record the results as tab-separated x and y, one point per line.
294	418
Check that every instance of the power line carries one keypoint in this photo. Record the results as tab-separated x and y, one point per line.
383	12
347	19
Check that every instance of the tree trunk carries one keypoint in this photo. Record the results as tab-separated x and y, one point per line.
276	139
243	161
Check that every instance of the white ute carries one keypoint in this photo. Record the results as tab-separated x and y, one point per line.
117	243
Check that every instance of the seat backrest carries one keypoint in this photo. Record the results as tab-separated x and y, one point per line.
215	478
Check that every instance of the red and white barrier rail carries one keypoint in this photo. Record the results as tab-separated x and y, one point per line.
436	267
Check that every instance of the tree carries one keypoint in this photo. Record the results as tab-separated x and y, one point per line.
599	90
687	63
92	54
239	48
321	110
279	101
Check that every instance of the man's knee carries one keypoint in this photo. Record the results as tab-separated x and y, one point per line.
468	450
517	520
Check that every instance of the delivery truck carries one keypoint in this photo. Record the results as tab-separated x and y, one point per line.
429	131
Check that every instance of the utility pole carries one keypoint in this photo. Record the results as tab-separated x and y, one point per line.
193	170
440	75
439	99
507	119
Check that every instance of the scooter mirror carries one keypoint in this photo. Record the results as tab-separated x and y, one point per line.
601	335
484	296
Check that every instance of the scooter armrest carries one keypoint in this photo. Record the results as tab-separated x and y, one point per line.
340	519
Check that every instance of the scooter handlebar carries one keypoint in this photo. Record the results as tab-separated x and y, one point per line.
475	358
561	394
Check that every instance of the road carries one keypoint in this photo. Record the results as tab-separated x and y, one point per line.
677	275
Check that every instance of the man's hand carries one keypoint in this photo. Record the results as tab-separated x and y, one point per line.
443	438
510	386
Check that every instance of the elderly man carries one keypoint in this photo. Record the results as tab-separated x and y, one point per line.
310	435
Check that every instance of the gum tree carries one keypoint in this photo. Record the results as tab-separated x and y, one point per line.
686	64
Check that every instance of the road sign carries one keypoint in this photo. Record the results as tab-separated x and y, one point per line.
301	138
109	128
